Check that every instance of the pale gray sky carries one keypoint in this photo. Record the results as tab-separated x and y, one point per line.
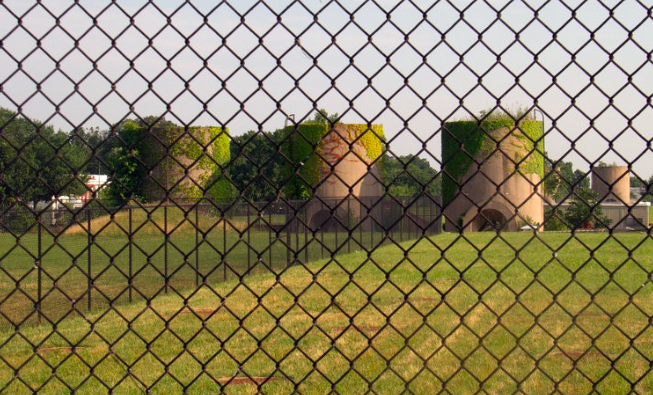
407	44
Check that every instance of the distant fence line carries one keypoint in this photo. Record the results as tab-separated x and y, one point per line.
191	245
317	215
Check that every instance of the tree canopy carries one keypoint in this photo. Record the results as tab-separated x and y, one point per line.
37	162
410	176
257	167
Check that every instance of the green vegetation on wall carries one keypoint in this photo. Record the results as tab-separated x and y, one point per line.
199	149
301	146
464	140
373	140
152	150
213	180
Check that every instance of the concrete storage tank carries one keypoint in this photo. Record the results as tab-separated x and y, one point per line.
335	164
612	183
185	164
492	174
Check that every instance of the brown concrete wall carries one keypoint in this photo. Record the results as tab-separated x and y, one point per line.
346	172
616	176
346	165
491	189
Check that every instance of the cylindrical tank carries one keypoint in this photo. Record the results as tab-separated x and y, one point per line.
347	167
612	183
185	164
492	175
337	169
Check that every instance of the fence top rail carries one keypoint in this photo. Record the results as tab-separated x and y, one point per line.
400	200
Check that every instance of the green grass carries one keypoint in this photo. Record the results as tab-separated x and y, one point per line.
540	317
199	249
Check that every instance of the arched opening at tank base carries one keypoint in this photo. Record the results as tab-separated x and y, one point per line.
491	217
493	174
488	220
326	221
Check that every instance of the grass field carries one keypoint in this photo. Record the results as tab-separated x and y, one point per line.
552	314
78	267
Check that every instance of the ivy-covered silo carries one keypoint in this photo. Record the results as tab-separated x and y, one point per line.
187	164
492	174
332	165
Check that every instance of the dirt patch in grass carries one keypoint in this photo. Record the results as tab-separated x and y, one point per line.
423	299
364	329
200	312
593	314
417	299
247	380
46	350
576	355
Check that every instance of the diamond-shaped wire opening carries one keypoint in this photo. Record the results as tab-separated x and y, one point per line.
197	264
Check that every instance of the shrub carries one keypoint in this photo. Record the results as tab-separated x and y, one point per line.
554	220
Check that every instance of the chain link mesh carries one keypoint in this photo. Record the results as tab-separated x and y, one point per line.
323	196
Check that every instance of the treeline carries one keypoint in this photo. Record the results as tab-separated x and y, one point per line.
563	182
37	162
259	170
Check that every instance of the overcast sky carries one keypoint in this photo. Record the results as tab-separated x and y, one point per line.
407	66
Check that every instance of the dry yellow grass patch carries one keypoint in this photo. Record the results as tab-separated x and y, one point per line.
153	222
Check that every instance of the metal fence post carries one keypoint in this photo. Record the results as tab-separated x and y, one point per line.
39	268
360	222
89	261
270	235
429	215
296	229
197	246
249	240
224	244
131	255
336	225
165	247
349	215
288	239
402	221
306	244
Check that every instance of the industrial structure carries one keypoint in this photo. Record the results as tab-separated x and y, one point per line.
338	171
492	175
339	183
612	183
186	163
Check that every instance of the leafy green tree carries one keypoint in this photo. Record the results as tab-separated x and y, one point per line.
648	194
410	176
38	163
99	143
579	180
558	179
257	167
322	116
131	157
583	212
126	168
636	182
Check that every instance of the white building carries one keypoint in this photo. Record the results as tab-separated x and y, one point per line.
94	183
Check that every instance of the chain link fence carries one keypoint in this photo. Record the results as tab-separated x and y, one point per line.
318	196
